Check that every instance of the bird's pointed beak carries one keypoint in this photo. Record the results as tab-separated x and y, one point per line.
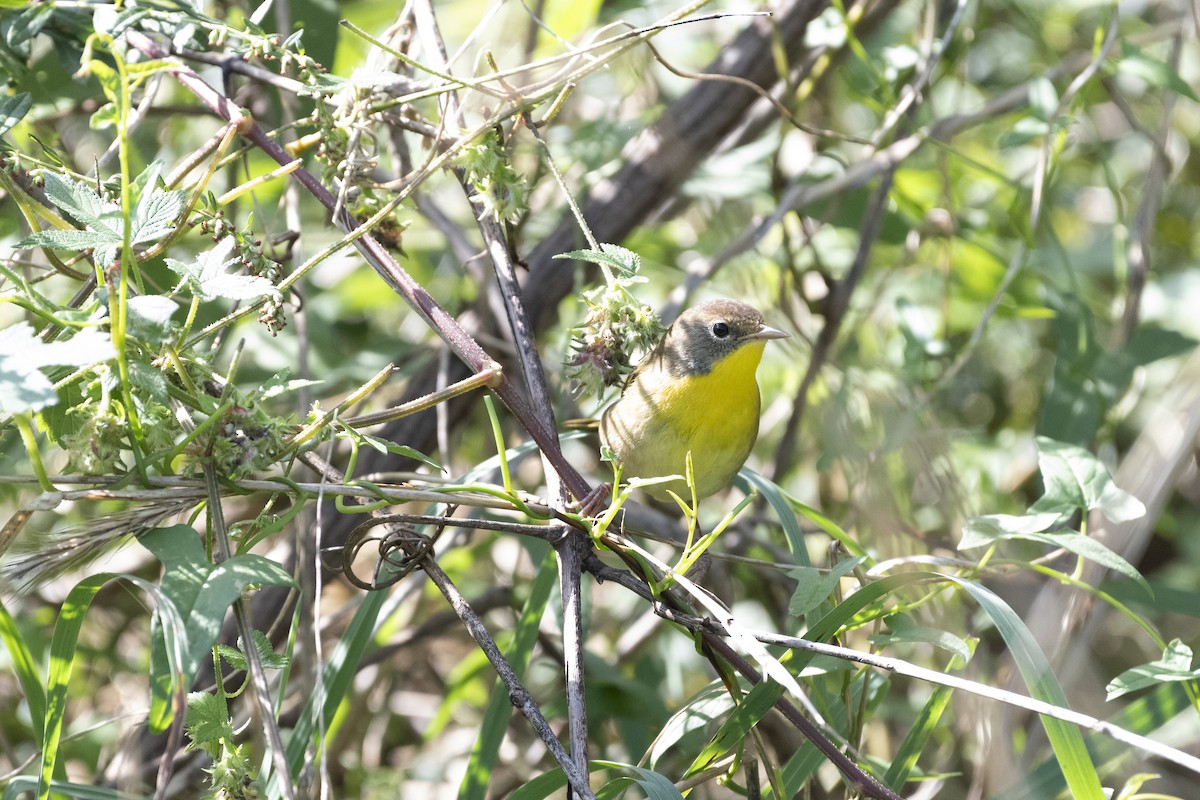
766	332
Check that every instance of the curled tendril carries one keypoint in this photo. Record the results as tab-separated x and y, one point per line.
401	547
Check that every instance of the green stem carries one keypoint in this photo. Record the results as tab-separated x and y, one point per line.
25	426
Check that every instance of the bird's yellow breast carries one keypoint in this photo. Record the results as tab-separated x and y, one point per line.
723	403
663	417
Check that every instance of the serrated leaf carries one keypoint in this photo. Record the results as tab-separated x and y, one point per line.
103	220
149	381
56	420
625	262
81	202
812	587
22	355
150	317
209	279
13	109
630	262
986	529
1175	665
156	214
207	718
236	658
70	240
1076	480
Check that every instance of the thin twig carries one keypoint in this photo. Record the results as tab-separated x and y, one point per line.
835	314
1139	244
517	694
538	392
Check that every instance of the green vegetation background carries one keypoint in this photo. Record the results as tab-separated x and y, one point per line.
978	219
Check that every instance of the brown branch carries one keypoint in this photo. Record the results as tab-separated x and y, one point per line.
463	345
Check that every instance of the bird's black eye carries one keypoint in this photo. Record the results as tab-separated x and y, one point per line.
720	330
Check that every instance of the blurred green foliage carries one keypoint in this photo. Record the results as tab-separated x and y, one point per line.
1031	272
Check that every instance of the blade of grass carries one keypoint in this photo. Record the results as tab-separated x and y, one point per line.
62	658
25	668
1065	738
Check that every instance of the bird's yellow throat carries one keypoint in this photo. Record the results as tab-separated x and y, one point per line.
719	401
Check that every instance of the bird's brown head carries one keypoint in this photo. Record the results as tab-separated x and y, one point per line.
708	332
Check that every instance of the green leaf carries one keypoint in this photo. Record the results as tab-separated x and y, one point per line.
102	241
1149	344
693	717
655	785
235	656
388	446
281	383
1024	131
24	667
1043	99
22	356
785	508
105	116
149	380
1153	71
1077	480
813	588
626	262
62	658
104	220
150	317
203	592
828	30
1092	550
903	629
13	109
1065	738
986	529
81	202
208	718
79	791
1175	665
209	279
156	212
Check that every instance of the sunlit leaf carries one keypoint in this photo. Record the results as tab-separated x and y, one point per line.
1175	665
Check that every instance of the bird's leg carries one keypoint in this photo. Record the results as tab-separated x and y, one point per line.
596	500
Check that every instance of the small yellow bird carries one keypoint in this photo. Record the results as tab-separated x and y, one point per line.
694	392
